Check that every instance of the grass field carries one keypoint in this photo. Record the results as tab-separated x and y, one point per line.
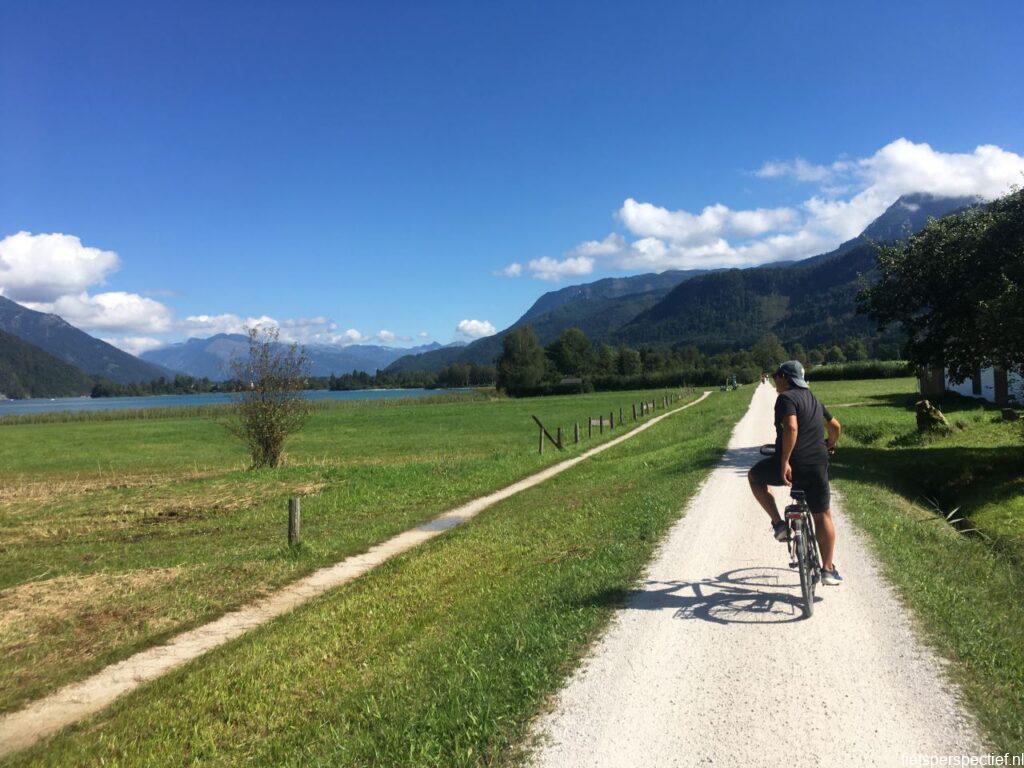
965	586
116	533
440	657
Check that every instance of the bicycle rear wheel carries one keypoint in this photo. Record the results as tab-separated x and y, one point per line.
803	558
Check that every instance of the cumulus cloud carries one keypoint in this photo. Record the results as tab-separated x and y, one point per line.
849	194
114	311
553	270
385	336
135	345
42	268
475	329
515	269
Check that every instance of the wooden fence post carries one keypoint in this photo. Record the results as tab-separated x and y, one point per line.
576	432
558	436
590	426
634	411
611	420
294	520
540	442
601	423
620	415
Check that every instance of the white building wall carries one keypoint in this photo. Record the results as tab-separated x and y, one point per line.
1015	388
966	387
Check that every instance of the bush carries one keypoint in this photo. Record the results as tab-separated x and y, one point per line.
868	369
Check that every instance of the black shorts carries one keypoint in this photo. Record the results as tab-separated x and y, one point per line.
812	479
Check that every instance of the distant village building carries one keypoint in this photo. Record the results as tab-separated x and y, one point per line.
993	384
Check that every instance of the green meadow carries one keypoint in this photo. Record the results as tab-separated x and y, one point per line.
443	655
119	531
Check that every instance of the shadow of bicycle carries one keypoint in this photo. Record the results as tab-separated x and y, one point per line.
740	596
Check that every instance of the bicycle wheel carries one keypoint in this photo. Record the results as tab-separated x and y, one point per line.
803	558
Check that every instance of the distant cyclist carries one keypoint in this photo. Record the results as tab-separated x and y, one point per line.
800	460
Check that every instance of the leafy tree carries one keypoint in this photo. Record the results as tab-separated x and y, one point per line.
482	375
768	352
522	362
606	362
816	357
571	353
797	352
271	407
855	349
454	375
957	289
835	354
627	361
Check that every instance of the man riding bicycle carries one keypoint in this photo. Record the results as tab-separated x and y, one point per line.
800	460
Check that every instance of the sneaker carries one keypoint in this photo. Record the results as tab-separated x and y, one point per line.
831	578
781	530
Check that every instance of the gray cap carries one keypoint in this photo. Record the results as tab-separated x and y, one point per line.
794	371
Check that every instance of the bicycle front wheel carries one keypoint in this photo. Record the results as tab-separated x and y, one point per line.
803	558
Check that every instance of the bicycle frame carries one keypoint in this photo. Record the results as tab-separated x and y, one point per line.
802	536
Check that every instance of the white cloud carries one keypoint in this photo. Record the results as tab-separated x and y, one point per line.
714	221
423	335
115	311
515	269
385	336
546	268
135	345
850	194
42	268
475	329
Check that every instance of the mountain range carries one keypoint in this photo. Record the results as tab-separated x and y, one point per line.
812	301
211	357
28	371
76	348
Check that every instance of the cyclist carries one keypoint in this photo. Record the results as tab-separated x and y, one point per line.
800	460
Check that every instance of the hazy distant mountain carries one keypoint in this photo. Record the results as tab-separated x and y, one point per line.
77	348
811	300
211	357
28	371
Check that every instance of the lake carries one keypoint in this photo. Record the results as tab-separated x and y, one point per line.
47	405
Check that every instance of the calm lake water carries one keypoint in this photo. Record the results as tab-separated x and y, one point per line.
44	405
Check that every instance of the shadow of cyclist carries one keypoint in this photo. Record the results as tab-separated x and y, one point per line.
740	596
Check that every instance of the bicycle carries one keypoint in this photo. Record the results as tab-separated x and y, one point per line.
802	543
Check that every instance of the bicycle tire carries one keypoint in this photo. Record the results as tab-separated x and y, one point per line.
803	557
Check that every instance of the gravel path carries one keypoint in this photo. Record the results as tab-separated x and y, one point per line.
711	663
43	717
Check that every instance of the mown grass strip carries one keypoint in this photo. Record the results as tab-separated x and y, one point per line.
440	657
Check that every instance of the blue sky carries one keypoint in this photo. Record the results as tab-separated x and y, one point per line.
377	166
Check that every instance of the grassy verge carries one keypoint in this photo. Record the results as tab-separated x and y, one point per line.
965	583
117	534
440	657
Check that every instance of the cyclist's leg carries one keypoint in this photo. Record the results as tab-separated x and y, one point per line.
766	472
826	533
813	481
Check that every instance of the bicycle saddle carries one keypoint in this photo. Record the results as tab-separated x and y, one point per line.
798	495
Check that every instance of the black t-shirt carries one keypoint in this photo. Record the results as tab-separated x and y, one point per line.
811	417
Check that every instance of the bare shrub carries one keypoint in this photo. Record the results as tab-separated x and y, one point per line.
270	407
